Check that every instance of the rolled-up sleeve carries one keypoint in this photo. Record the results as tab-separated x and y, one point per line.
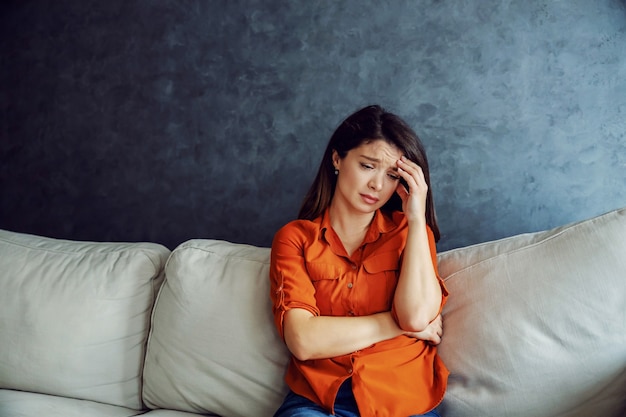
290	285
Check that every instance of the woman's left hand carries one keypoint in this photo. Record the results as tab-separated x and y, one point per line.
432	333
413	198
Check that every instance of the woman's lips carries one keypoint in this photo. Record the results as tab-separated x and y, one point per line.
369	199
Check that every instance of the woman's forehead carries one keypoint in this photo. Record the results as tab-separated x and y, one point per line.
379	150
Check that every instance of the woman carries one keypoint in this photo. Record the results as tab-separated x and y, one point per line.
354	285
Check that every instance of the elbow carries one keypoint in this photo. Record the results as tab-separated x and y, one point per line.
302	355
300	351
413	324
297	335
299	348
417	321
416	318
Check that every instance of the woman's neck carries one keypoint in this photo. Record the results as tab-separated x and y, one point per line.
350	227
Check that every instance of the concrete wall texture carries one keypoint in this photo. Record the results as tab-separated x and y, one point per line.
163	120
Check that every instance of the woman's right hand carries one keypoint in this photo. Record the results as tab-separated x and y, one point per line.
432	333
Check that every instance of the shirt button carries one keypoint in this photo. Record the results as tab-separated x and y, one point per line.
350	285
353	266
350	370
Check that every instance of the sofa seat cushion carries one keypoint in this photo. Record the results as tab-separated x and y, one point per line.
213	347
28	404
75	316
536	324
174	413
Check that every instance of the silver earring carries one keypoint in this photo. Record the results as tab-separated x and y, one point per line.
336	172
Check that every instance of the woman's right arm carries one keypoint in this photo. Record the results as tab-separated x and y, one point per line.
318	337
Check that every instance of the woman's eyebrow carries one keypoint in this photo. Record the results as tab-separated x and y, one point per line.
370	158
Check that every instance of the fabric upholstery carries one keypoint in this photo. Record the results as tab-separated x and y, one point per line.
536	324
74	316
29	404
173	413
213	346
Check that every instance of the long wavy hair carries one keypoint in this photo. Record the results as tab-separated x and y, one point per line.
368	124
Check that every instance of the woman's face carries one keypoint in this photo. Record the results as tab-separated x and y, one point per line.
368	176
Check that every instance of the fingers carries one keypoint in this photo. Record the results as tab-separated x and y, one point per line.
432	334
435	340
412	174
438	330
436	337
410	167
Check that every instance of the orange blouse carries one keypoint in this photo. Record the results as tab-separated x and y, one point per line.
310	269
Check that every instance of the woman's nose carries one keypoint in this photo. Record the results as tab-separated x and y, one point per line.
376	182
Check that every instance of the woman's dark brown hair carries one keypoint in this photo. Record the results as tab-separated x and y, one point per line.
368	124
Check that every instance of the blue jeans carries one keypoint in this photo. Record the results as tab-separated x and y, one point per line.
345	405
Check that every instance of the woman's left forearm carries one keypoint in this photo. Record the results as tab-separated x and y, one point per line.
417	298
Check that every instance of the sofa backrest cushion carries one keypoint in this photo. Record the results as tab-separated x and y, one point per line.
536	324
74	316
213	346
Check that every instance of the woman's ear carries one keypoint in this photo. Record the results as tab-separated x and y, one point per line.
336	159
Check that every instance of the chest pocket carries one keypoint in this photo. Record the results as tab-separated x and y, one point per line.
381	278
325	279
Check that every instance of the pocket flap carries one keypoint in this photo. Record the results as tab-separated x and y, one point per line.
388	261
319	271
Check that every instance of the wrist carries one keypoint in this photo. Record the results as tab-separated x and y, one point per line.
417	224
392	329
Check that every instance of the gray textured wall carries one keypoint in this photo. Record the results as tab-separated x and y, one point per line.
164	120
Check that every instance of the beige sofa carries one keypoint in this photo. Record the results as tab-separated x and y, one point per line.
535	326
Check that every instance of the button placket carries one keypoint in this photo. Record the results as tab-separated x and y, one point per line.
351	277
351	369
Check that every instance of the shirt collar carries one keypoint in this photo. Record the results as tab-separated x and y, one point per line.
381	223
